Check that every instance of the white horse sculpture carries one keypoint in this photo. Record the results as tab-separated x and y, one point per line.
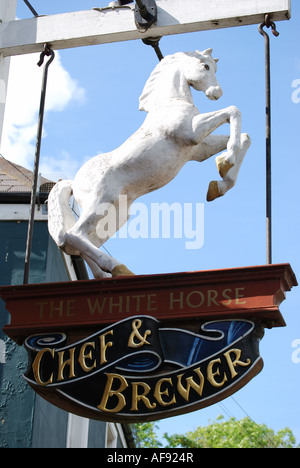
173	133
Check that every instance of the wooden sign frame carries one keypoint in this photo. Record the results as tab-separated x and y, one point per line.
250	292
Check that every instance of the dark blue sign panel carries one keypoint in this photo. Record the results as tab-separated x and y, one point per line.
139	369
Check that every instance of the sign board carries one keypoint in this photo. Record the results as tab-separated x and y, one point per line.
147	347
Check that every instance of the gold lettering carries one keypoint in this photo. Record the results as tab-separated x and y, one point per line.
115	304
70	306
180	300
62	364
136	397
201	299
108	392
238	295
136	325
138	301
190	383
59	308
36	366
212	294
42	304
127	304
226	296
104	346
158	392
232	364
82	357
151	302
96	307
211	374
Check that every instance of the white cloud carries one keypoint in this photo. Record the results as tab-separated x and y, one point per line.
22	107
54	168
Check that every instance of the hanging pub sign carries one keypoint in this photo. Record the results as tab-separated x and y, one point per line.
147	347
141	348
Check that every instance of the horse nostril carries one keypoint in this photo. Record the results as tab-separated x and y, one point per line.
214	92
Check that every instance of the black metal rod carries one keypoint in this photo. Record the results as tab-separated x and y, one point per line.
50	53
268	23
154	42
158	52
31	8
142	9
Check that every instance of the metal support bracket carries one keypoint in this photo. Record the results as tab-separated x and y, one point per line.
145	14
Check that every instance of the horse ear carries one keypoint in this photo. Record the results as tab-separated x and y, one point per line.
207	52
216	60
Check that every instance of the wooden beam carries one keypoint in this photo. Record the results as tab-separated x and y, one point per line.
7	13
103	25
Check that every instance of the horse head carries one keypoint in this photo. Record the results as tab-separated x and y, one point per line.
197	69
201	73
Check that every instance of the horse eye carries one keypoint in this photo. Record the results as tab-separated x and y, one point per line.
206	67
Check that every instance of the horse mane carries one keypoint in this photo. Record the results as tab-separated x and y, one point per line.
164	64
152	80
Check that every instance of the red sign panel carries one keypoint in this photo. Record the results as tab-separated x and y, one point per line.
251	292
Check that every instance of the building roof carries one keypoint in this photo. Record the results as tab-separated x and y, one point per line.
15	178
16	183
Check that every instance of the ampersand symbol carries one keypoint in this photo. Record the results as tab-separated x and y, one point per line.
136	325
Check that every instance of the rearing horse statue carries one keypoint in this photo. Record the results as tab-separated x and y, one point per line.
173	133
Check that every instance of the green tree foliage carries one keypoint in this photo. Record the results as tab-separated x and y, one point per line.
145	436
244	433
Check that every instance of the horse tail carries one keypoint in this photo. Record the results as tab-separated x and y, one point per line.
60	216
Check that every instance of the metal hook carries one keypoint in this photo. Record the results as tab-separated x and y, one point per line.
271	24
46	52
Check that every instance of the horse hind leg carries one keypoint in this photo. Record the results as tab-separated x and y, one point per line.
95	269
218	188
83	237
101	264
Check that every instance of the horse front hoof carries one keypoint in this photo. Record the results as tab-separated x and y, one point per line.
223	166
213	191
121	270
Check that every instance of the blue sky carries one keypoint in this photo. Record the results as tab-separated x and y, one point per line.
93	108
